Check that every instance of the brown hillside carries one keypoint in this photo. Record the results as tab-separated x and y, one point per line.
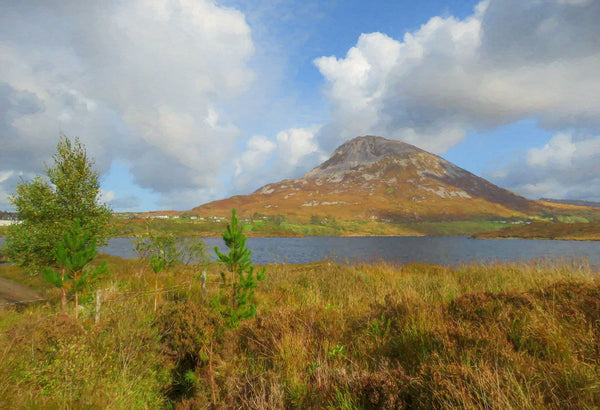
373	178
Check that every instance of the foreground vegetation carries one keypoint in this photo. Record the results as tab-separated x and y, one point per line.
492	336
581	231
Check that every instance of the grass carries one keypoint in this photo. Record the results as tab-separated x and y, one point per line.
455	228
183	227
266	228
178	227
585	231
481	228
325	335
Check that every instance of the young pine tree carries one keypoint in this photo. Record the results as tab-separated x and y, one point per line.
73	253
243	277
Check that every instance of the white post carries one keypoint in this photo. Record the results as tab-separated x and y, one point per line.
98	305
203	286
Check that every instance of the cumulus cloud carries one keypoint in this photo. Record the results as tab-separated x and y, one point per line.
259	150
250	166
289	155
107	196
403	89
158	84
564	168
508	61
296	147
558	152
144	80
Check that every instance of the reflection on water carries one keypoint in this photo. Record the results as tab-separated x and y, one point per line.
444	250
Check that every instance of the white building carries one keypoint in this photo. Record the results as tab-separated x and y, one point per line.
4	222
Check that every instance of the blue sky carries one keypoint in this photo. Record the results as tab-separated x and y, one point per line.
182	102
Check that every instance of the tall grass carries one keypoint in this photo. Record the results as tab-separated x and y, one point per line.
585	231
518	335
185	227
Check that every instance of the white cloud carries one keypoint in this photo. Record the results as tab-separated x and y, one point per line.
144	80
162	85
251	166
295	145
402	89
575	2
259	150
290	155
566	167
558	152
107	196
508	61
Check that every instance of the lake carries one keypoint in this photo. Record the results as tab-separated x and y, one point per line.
444	250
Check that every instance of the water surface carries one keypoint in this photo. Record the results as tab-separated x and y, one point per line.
444	250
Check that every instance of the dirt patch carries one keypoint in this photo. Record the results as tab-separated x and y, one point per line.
15	292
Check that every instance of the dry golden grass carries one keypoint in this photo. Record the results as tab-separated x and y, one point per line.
583	231
325	335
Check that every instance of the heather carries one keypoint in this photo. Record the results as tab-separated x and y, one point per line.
325	335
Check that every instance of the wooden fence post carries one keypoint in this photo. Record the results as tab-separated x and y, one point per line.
98	305
203	286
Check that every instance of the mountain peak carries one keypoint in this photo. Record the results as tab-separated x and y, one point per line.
377	179
361	151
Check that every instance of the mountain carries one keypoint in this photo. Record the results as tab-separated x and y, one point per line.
373	178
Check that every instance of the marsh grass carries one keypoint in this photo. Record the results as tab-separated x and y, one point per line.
585	231
518	335
292	228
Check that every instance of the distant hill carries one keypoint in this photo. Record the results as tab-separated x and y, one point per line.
577	202
375	179
8	216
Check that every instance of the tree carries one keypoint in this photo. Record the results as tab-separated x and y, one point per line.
73	254
243	276
48	207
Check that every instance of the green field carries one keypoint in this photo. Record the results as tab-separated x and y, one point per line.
284	228
572	229
325	335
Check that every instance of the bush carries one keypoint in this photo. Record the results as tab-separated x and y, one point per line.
187	333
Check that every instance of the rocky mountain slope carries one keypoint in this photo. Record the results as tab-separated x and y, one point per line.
373	178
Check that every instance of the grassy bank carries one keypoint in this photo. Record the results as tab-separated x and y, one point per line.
282	228
582	231
325	335
259	228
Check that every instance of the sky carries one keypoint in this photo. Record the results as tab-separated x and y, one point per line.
181	102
